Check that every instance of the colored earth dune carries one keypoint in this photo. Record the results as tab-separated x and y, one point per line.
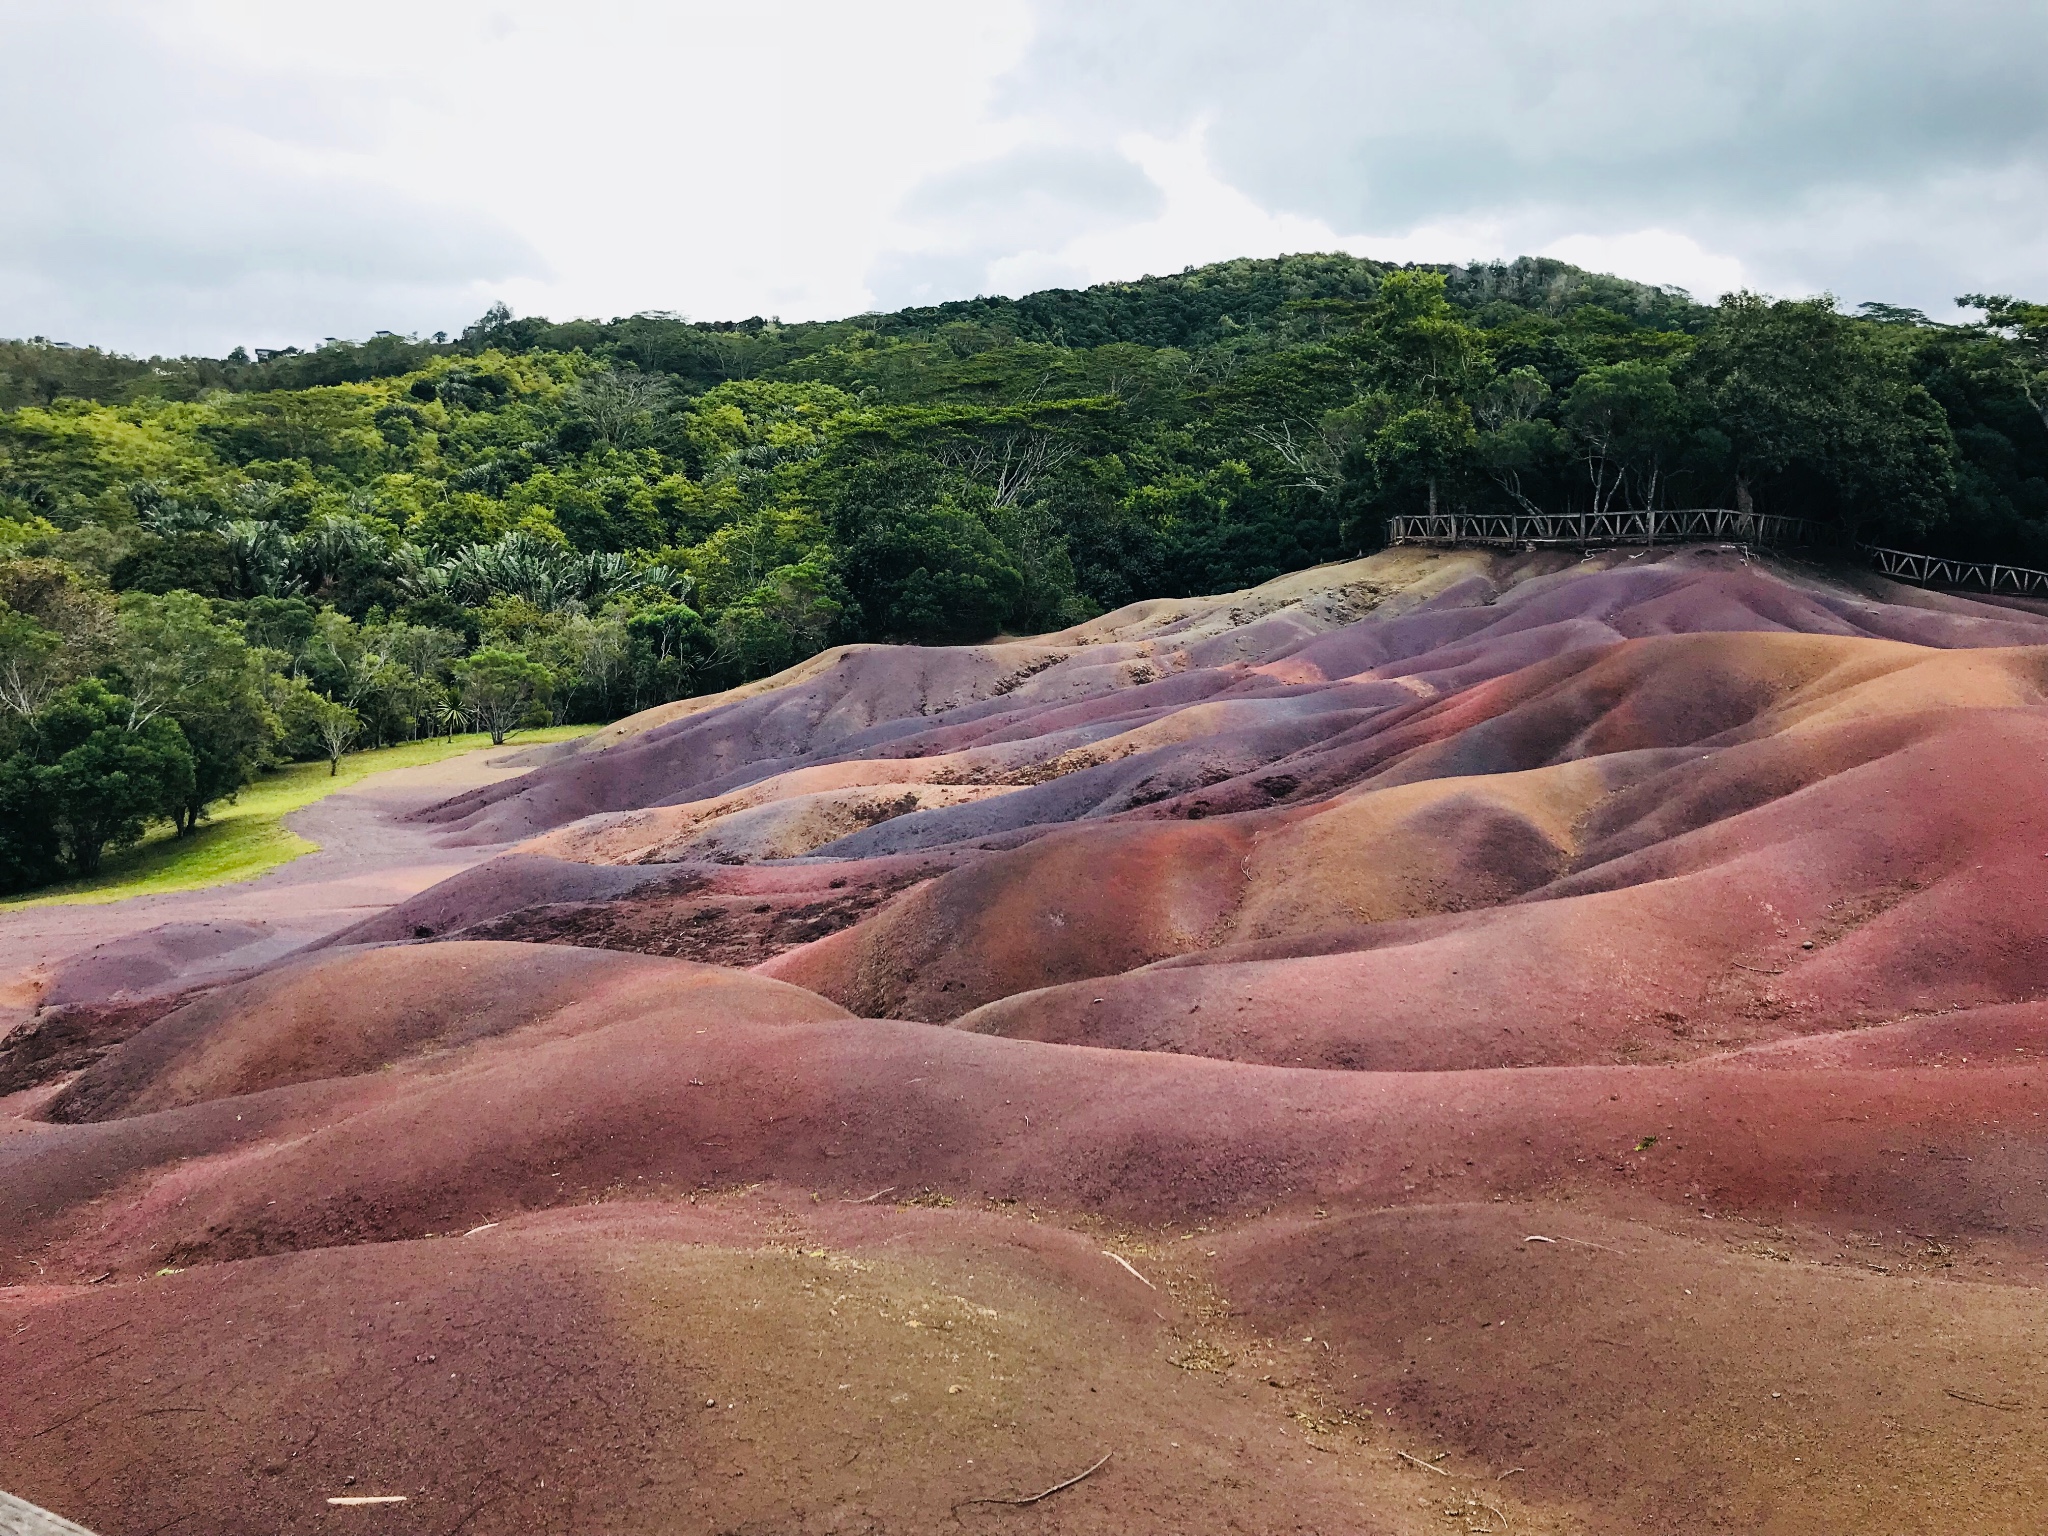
1447	1042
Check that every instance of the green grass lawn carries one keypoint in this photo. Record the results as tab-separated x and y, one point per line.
240	841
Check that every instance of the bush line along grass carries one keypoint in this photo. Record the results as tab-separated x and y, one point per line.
248	837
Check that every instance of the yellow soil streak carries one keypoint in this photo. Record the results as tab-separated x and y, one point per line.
1366	858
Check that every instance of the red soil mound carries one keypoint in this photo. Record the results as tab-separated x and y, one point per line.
1976	1036
641	1365
725	914
1447	1042
754	1365
1086	902
841	696
349	1011
690	1096
1383	1285
1667	1383
1904	880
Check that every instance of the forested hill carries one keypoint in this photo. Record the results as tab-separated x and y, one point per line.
571	520
1192	309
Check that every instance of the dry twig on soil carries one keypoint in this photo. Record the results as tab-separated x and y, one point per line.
1985	1402
1131	1267
1427	1466
1577	1242
1055	1488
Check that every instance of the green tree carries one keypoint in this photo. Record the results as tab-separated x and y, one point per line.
31	665
104	775
296	706
31	851
1516	447
195	561
1413	342
1033	537
500	689
668	647
1413	454
2024	327
790	614
620	404
335	726
265	558
283	624
176	661
339	659
1407	441
326	428
1629	424
58	599
1197	524
418	658
1992	391
597	658
932	574
1820	413
735	560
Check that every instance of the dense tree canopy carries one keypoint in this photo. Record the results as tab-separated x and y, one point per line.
285	555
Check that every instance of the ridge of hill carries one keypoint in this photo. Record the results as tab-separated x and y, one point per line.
1197	307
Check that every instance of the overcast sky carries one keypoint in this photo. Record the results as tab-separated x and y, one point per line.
189	175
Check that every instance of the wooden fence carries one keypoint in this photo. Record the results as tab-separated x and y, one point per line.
1585	530
1590	530
1935	571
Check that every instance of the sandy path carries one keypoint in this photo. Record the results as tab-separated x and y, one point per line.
369	857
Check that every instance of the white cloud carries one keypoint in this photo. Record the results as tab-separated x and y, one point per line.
258	173
1816	143
1192	216
1660	256
190	174
1201	218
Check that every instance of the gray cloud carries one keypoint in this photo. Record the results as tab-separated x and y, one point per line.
164	190
160	202
1750	126
1035	198
1379	113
